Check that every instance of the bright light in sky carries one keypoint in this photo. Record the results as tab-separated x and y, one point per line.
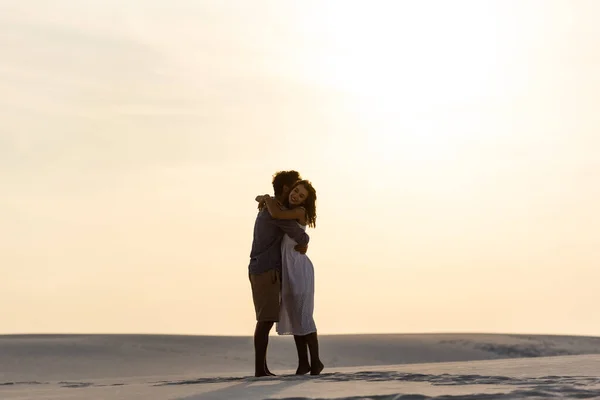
412	73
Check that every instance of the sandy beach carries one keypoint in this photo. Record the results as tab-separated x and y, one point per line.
437	366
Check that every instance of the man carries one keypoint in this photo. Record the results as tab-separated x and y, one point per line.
265	268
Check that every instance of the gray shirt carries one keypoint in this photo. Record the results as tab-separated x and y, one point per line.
266	245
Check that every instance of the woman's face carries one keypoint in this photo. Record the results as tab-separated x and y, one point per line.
298	195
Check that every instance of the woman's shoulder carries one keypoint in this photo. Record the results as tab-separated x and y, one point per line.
303	220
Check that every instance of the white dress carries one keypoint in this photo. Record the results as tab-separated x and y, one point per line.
297	291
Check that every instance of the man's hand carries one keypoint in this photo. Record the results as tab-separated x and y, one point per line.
301	249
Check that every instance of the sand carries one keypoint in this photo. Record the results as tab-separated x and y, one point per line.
438	366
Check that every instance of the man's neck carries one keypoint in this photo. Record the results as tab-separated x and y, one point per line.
280	198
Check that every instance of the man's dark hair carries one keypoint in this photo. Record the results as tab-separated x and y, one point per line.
284	178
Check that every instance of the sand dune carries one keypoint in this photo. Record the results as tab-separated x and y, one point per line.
378	366
67	357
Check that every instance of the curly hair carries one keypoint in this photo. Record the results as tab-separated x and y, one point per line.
310	203
284	178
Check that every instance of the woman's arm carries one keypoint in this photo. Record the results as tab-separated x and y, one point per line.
298	213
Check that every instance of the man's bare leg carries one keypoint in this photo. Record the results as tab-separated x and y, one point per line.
261	341
316	366
302	348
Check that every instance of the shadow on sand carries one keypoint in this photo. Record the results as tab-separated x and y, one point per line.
251	388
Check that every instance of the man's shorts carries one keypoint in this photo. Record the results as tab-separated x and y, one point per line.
266	289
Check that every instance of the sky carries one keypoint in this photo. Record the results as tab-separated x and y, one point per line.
454	148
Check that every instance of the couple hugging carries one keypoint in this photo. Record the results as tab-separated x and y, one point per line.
281	274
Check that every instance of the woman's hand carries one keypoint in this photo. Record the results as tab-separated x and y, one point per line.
261	198
261	201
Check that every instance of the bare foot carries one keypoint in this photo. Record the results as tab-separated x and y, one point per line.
303	369
316	368
269	373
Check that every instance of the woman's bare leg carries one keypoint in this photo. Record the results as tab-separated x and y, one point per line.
316	366
302	348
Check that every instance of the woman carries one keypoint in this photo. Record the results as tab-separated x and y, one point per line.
298	277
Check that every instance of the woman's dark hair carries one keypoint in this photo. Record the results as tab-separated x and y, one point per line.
284	178
310	203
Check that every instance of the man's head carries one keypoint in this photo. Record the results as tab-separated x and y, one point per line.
283	182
